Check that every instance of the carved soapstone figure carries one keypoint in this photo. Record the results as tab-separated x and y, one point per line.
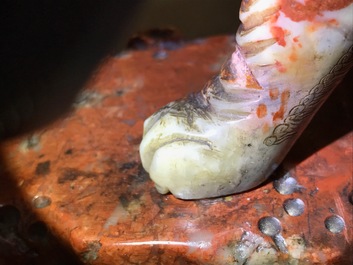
230	136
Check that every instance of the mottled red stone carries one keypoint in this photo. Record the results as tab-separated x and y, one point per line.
104	206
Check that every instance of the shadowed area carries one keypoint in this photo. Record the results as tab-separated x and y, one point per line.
26	239
49	50
333	120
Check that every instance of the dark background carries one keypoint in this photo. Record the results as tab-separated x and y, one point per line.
48	49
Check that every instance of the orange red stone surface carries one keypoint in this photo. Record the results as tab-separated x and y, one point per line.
82	176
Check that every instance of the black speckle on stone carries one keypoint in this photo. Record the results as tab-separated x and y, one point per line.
314	192
331	210
249	145
68	175
124	200
127	166
142	175
43	168
71	174
69	152
120	92
89	207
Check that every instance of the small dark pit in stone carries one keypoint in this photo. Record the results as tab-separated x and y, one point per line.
314	192
41	202
120	92
69	152
71	174
142	175
124	200
128	165
43	168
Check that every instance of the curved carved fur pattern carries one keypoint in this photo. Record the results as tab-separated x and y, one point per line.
230	136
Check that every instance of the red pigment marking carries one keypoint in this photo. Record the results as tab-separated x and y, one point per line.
316	25
296	40
285	96
251	82
284	100
293	56
280	67
313	27
298	12
261	111
274	93
333	22
265	128
278	33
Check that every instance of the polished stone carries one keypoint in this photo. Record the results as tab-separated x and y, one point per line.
83	179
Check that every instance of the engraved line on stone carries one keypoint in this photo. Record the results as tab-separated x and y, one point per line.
199	141
311	101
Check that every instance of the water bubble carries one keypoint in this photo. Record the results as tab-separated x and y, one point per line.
335	224
294	207
41	201
286	185
271	226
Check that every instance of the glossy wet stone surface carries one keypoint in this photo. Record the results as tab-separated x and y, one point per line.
98	203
